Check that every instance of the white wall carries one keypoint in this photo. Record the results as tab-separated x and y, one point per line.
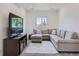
52	19
28	17
69	18
4	14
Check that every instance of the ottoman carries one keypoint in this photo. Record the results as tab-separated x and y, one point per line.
36	38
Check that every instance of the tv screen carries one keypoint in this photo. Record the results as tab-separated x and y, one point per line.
15	24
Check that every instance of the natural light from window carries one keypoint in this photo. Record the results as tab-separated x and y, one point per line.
41	21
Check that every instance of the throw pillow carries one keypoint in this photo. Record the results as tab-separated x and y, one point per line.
50	31
63	32
68	35
54	31
34	31
58	32
44	31
74	35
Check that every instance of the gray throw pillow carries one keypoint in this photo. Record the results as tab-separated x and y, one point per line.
74	35
34	31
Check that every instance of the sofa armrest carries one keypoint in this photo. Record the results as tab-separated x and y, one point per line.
69	45
30	35
69	41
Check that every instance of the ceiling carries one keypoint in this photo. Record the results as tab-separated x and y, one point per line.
44	6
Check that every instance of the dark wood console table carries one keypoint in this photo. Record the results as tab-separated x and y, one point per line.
14	46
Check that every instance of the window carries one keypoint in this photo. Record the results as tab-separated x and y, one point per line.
41	20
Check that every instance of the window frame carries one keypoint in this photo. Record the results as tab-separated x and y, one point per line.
41	20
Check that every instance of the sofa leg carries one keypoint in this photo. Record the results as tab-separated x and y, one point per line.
68	51
59	51
36	41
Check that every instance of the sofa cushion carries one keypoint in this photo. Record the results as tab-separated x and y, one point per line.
44	31
38	32
68	41
53	36
68	35
45	34
34	36
56	39
37	35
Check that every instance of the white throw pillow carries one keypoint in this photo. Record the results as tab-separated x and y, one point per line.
68	35
38	32
54	32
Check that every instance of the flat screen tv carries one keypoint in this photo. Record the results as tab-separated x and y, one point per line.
15	24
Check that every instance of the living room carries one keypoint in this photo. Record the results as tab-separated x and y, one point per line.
62	16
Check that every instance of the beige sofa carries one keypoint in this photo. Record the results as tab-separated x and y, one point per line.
65	41
45	34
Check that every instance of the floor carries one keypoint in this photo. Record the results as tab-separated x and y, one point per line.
45	48
0	53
